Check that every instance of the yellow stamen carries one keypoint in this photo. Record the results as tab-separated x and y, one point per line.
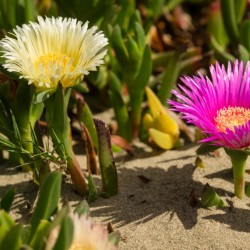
228	118
60	60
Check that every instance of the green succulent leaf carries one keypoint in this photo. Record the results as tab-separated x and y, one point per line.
85	116
7	200
12	239
220	52
6	223
245	34
47	201
82	208
106	160
42	96
206	148
80	88
230	20
38	240
65	235
142	78
121	114
115	238
169	78
210	198
247	190
244	53
92	189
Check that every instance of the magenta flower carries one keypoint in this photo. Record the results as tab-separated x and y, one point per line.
219	107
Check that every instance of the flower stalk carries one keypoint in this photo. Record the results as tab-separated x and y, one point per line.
238	158
59	129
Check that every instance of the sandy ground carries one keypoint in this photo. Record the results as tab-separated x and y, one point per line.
152	210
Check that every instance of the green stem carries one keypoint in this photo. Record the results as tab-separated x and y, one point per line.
238	158
136	112
59	129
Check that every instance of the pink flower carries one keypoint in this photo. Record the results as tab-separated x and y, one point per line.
220	107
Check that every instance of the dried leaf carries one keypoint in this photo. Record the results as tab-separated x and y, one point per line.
90	151
122	143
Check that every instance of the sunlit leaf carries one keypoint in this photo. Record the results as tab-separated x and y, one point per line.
210	198
48	200
163	140
154	103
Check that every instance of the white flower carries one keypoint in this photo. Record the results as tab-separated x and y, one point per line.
89	236
53	50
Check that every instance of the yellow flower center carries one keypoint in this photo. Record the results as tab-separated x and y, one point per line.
228	118
60	60
84	246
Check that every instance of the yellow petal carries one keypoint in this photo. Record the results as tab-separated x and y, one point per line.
161	139
166	124
154	103
148	121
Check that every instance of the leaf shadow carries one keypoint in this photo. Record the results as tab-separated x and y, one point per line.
25	191
167	192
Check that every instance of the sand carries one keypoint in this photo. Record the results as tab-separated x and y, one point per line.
152	210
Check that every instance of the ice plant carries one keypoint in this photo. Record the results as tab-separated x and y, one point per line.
220	107
163	129
53	50
54	54
88	235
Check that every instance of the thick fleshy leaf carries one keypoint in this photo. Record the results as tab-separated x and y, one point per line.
80	88
210	198
220	53
6	223
148	121
7	200
206	148
92	189
106	160
166	124
244	53
48	200
82	208
161	139
230	20
199	163
12	239
170	77
85	116
115	237
65	235
38	240
154	103
247	190
43	95
121	115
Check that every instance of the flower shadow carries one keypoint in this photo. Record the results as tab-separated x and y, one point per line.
237	219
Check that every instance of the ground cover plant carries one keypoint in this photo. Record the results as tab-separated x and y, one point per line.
152	63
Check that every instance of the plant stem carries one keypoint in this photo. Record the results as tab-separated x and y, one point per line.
238	158
59	128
